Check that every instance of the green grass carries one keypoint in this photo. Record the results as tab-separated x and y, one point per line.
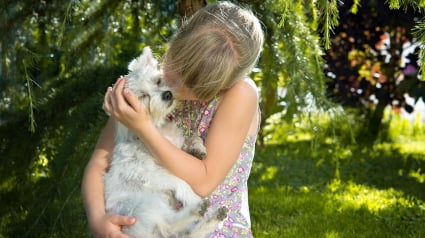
300	189
300	186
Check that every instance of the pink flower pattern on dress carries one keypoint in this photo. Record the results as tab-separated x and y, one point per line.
195	117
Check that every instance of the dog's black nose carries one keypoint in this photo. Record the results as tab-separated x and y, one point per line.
167	96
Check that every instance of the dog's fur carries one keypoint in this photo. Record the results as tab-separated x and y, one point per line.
136	185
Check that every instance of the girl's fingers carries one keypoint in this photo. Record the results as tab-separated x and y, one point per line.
112	96
107	101
120	103
122	220
132	100
117	99
119	86
123	97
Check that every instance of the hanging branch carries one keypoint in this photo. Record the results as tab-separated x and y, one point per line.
328	19
29	82
418	5
188	7
419	33
355	7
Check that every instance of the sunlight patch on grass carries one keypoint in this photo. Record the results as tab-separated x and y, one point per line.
412	147
404	146
357	196
404	128
299	137
332	234
408	148
417	175
269	173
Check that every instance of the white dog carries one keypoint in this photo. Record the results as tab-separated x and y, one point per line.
136	185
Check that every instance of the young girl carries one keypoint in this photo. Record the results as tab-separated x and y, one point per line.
207	63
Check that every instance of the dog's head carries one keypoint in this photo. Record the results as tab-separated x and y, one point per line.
144	80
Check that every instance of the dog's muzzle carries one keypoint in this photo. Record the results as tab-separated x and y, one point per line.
167	96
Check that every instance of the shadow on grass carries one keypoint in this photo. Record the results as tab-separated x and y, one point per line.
289	213
386	168
297	164
336	192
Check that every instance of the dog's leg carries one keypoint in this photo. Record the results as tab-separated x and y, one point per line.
175	204
221	213
188	217
203	207
199	225
195	146
207	225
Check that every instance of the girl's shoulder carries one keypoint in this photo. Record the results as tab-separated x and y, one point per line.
248	81
244	88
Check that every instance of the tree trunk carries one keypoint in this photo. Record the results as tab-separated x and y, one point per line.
188	7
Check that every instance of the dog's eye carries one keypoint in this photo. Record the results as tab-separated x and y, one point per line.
158	82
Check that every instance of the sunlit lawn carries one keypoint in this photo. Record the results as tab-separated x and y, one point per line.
297	190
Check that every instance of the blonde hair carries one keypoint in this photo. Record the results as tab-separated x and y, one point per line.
216	47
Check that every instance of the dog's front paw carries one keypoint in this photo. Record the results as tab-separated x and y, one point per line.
203	207
195	146
198	154
222	213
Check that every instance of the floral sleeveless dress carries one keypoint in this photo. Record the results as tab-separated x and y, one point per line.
195	117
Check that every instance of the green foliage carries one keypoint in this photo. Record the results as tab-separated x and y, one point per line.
59	57
315	127
355	7
301	71
328	17
291	64
43	42
402	129
29	84
397	4
419	32
42	171
419	29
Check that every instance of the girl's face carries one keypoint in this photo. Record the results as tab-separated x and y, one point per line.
170	78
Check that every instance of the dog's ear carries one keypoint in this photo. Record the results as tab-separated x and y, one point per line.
148	56
145	59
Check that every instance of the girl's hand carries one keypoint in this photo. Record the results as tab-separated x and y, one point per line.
124	106
110	226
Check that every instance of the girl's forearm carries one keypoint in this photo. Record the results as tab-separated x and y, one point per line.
178	162
93	194
92	184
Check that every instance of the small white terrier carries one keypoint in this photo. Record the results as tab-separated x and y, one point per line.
136	185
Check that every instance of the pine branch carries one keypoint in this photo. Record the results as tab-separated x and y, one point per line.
419	33
355	7
418	5
328	19
30	102
303	59
66	18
